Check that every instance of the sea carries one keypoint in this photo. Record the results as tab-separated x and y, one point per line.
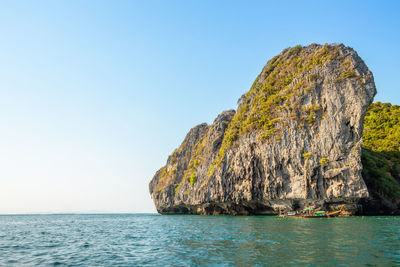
194	240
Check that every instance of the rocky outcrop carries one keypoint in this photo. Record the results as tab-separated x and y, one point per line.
294	142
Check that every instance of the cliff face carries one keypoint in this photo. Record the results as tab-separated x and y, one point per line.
294	141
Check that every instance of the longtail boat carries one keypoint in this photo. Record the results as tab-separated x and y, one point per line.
310	213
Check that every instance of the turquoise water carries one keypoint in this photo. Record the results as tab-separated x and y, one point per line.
155	240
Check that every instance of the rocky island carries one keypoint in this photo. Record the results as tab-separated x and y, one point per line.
295	141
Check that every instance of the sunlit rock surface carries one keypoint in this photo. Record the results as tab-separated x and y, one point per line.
294	142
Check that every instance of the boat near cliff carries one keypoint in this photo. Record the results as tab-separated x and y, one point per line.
310	213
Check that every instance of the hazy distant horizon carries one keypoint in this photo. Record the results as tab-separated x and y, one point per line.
94	95
77	213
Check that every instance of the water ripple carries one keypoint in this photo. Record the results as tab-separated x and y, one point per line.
126	240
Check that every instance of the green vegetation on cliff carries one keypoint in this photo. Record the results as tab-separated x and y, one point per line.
381	150
275	96
382	127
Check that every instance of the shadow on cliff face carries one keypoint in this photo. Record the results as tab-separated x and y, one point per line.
381	173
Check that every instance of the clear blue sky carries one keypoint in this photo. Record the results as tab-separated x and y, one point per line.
94	95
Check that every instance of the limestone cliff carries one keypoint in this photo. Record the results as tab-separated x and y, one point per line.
294	141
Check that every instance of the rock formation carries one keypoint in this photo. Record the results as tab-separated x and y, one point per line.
294	142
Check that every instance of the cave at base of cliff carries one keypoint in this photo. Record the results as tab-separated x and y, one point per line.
354	206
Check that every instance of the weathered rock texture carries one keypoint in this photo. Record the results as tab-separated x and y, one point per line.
294	142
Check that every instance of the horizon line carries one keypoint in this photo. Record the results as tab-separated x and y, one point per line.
75	213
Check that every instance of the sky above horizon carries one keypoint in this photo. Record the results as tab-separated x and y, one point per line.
94	95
